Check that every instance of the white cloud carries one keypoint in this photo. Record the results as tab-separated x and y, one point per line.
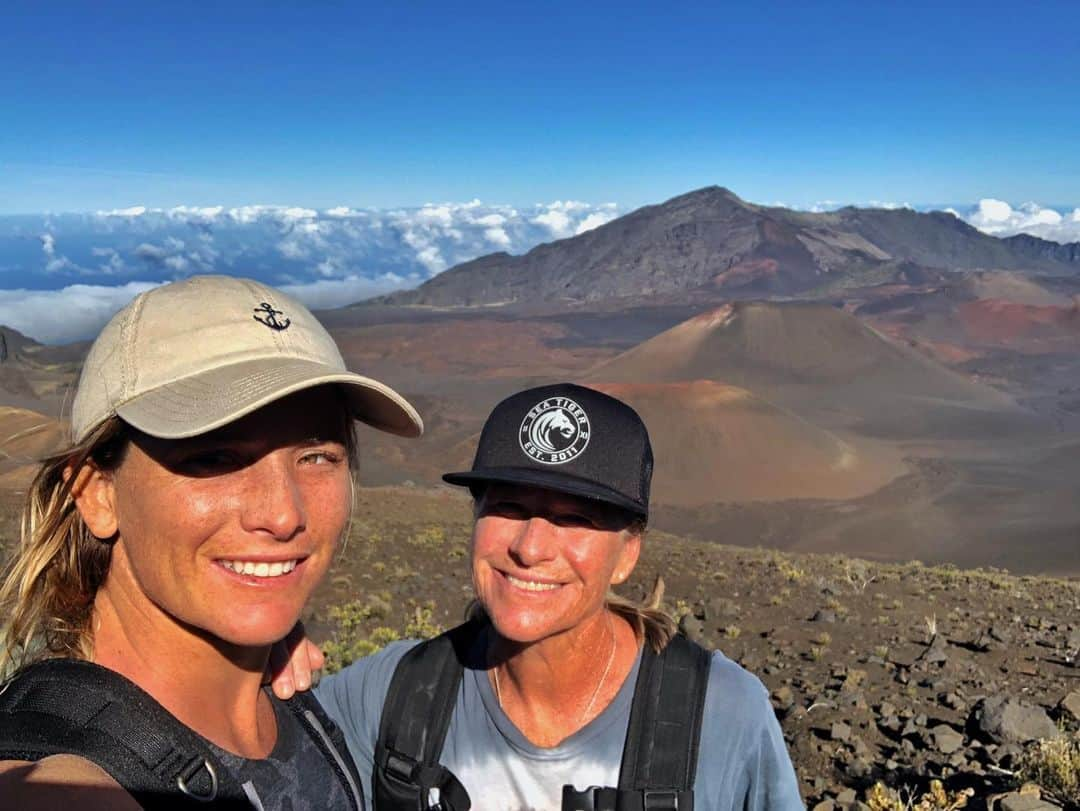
72	313
594	220
556	221
497	236
295	213
134	211
435	215
53	261
999	218
341	212
151	253
196	213
432	260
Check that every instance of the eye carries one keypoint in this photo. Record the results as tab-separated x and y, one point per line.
209	461
574	520
506	509
322	456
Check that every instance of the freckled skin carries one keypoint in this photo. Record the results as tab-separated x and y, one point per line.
540	535
275	484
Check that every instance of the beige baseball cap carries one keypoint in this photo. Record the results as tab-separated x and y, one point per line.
188	357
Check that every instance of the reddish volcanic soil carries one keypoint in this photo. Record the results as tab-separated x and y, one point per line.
717	443
748	271
825	365
480	348
1007	323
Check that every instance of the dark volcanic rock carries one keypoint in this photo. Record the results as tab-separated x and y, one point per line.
1027	245
1007	720
1070	705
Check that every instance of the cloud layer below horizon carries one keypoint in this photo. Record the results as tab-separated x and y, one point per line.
62	276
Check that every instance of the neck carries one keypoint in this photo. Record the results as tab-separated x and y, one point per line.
553	687
211	687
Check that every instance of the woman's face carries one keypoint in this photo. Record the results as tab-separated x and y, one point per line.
230	532
543	561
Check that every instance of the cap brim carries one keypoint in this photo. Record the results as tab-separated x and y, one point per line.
198	404
546	480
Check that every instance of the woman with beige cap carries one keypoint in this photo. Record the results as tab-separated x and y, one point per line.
205	491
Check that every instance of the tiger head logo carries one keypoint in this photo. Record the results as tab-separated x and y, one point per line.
554	431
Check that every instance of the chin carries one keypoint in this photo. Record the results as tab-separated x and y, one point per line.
524	628
260	629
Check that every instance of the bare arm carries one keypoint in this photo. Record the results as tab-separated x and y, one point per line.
61	781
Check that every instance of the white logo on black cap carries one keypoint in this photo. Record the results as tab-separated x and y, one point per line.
555	431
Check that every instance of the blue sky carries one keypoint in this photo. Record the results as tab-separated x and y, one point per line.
111	105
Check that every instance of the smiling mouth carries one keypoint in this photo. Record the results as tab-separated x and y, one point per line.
260	568
530	585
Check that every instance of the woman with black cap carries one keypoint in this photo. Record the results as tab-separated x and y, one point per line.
206	488
558	694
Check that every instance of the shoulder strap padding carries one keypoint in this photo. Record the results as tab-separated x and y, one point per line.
415	718
663	736
64	706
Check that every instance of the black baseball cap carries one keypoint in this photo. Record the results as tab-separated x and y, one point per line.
566	438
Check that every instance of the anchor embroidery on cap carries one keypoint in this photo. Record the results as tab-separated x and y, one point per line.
265	314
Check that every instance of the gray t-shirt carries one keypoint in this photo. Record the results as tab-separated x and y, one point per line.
743	764
295	776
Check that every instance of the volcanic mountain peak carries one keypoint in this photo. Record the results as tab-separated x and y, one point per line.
710	244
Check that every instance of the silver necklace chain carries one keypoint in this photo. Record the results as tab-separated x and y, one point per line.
595	693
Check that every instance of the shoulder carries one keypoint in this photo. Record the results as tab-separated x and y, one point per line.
353	697
743	743
735	698
62	779
367	673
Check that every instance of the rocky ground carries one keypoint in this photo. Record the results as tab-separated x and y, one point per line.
899	673
894	672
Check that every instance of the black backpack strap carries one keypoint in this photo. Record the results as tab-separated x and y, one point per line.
64	706
660	755
330	740
415	718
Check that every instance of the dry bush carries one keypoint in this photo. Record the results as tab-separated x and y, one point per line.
1054	765
938	798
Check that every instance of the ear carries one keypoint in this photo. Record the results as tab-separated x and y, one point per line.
94	492
628	559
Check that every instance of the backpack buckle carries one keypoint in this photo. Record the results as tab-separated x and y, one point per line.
400	767
190	773
661	801
594	798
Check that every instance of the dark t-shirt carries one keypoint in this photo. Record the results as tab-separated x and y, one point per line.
295	776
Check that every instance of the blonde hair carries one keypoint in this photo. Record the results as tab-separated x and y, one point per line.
48	589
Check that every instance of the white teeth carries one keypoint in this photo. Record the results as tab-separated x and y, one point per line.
531	585
261	568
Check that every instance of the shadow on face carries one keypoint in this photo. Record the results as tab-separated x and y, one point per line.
309	417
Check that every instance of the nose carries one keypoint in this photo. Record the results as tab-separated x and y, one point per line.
534	542
274	505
